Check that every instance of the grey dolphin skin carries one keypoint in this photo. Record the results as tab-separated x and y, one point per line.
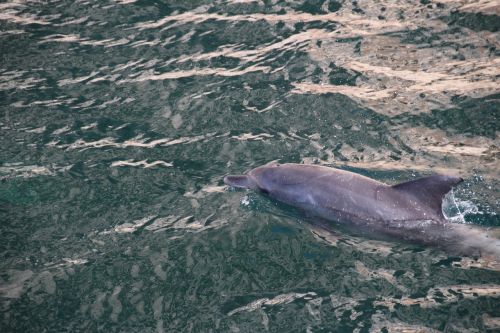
410	211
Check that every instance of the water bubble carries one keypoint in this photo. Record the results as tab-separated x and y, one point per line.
245	201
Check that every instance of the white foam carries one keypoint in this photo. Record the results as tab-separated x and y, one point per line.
245	201
455	209
144	164
280	299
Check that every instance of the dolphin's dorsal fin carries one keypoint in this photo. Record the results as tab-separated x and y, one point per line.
430	190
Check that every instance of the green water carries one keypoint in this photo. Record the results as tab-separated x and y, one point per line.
119	120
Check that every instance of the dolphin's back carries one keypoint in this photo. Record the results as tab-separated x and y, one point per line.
325	190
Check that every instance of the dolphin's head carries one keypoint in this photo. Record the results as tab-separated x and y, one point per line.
264	178
273	177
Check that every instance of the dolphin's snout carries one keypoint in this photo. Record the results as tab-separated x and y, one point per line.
241	181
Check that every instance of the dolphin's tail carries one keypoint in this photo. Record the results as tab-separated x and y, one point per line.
241	181
473	240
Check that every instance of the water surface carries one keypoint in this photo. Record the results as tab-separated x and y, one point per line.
119	120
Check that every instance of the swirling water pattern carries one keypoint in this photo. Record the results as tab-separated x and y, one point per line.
119	119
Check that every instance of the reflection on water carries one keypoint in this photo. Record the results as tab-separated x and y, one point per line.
119	119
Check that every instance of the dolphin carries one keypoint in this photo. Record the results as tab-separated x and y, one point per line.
411	211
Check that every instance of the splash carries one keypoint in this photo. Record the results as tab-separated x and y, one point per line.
245	201
455	209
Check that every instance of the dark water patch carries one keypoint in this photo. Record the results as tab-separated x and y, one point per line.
310	25
317	7
342	76
448	262
19	193
245	8
247	33
356	8
471	116
485	216
348	39
474	21
167	7
417	36
312	7
164	8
